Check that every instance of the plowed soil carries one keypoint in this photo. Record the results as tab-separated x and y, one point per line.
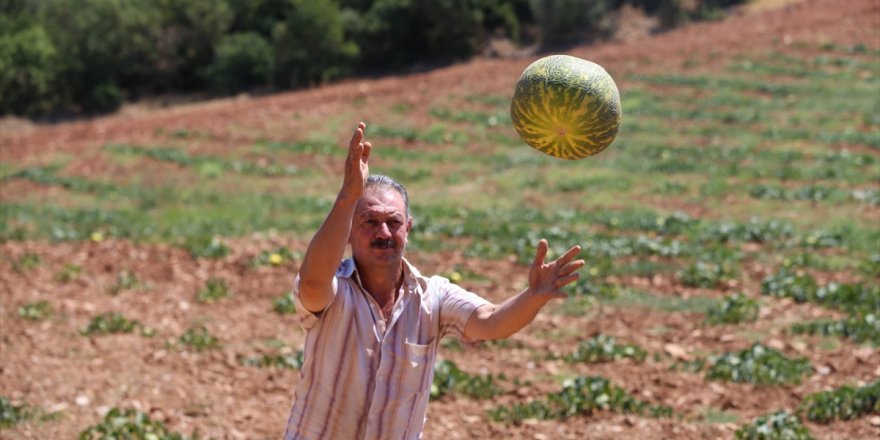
50	365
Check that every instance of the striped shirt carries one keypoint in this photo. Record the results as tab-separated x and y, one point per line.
365	379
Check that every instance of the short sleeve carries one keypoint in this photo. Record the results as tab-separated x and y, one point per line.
307	319
456	307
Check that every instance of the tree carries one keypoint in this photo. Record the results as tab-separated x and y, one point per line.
311	46
28	62
103	46
241	61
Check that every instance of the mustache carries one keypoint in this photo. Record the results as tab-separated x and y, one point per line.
383	244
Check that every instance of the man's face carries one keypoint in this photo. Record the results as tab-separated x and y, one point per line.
379	228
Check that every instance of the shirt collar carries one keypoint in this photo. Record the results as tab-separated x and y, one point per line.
412	279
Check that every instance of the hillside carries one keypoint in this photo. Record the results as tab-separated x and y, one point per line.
748	162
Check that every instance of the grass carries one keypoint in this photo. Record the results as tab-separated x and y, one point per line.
716	416
206	166
633	298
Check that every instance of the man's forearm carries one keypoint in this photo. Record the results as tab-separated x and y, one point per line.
327	246
505	319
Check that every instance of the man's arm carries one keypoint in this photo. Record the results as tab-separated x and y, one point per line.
328	245
501	321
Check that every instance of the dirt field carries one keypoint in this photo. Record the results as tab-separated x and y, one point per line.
49	365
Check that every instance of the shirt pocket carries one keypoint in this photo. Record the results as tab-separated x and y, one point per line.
414	369
417	355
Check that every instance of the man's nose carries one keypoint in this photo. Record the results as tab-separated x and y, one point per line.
384	231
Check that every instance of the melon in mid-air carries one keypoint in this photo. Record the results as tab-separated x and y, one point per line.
566	107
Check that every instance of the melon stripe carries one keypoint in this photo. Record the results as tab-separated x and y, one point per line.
566	107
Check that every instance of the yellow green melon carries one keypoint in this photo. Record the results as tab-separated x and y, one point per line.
566	107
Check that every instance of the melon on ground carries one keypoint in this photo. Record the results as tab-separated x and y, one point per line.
566	107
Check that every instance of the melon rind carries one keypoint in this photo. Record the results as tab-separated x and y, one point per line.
566	107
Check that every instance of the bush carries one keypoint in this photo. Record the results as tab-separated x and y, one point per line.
215	289
241	61
449	378
11	414
565	22
205	246
103	98
758	365
735	309
111	323
844	403
35	311
282	361
129	424
856	328
707	273
798	286
28	66
90	55
777	426
199	338
581	395
284	305
189	31
604	348
104	47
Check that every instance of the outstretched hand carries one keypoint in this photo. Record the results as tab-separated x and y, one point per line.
546	279
356	167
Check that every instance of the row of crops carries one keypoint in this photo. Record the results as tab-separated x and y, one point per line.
746	186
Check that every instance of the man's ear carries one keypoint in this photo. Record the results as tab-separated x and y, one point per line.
409	225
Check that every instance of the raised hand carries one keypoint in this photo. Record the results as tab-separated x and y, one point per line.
356	167
546	279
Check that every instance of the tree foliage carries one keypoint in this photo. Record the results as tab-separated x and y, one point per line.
89	56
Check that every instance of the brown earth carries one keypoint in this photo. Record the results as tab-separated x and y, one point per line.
51	366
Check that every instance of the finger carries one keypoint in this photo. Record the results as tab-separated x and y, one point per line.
357	136
566	280
356	153
568	256
540	253
368	147
571	267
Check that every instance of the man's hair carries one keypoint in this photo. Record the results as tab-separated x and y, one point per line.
383	181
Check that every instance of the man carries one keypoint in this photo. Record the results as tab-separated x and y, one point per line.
374	322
